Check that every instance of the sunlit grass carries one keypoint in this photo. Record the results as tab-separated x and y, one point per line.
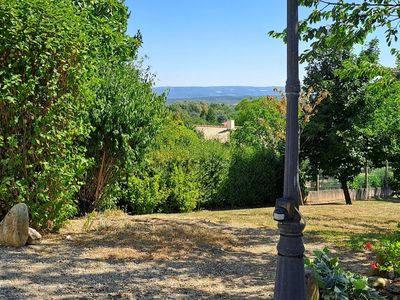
116	235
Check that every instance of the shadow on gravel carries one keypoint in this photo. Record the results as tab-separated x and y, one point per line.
156	258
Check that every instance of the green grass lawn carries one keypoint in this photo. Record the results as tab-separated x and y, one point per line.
344	225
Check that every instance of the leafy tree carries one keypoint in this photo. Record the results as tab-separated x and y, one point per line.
384	124
211	115
334	140
126	116
262	122
256	171
106	24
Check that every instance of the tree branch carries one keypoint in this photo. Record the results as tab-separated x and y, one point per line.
353	4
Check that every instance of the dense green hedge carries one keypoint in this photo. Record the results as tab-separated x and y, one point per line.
255	177
43	68
181	173
185	172
63	72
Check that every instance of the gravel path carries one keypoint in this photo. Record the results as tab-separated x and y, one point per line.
148	258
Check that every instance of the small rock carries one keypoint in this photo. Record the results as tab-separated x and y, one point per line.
15	226
378	282
68	237
34	237
312	290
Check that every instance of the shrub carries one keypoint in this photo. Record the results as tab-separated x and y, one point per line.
182	172
255	177
126	116
213	168
376	179
147	194
335	283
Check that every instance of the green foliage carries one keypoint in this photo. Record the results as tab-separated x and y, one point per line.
394	183
66	88
256	171
184	189
213	174
262	122
106	23
376	179
255	177
43	72
146	194
337	139
182	172
341	24
387	250
201	113
335	283
126	116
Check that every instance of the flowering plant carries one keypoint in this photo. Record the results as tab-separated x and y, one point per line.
368	246
387	250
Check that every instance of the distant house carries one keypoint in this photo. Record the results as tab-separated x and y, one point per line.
214	132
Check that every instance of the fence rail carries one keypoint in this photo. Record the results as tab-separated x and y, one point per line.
336	195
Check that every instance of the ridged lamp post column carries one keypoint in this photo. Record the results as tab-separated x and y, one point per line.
289	281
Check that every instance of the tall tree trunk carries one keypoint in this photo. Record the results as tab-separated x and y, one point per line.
346	192
386	183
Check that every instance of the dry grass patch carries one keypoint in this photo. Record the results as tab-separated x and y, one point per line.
116	235
335	223
121	237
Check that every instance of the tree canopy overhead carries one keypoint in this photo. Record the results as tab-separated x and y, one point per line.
343	23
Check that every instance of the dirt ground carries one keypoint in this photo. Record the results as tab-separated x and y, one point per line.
205	255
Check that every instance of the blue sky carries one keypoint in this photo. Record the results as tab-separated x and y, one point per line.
215	42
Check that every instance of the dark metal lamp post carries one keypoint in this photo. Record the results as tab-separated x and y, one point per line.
289	281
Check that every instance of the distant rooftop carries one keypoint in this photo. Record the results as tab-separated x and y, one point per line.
217	132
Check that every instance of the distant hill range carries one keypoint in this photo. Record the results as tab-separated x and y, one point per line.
216	94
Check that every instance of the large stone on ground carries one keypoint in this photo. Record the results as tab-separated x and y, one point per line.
34	237
15	226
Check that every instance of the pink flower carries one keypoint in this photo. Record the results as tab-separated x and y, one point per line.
368	246
374	265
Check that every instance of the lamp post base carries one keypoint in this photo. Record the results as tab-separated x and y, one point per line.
289	281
